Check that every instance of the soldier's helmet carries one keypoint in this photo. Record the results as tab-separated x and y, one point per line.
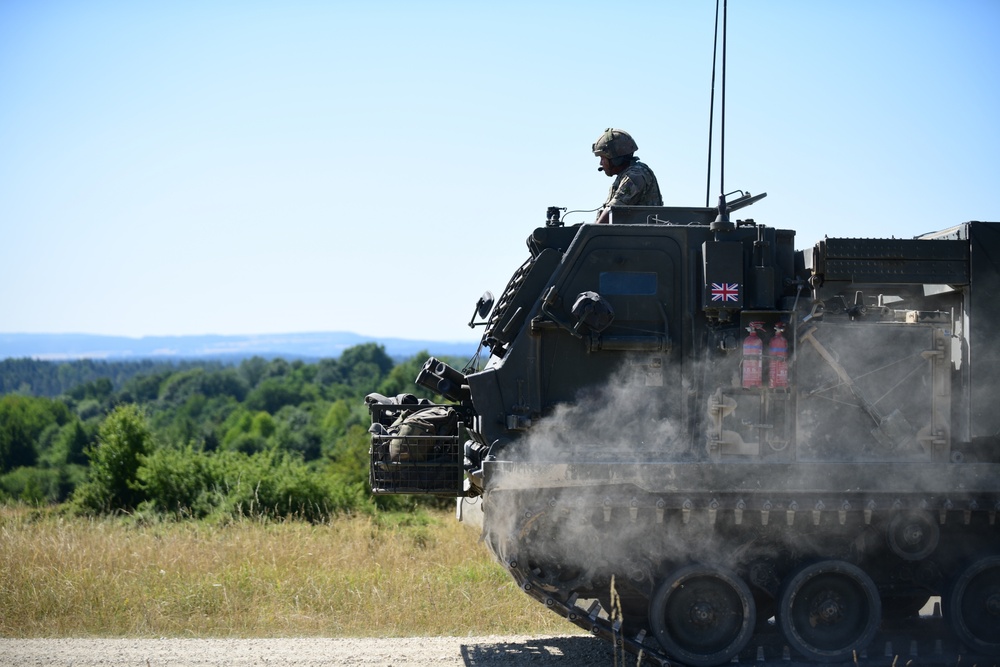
614	143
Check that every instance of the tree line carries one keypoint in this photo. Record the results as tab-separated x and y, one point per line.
48	378
262	437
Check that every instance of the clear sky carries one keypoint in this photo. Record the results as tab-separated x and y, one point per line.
244	167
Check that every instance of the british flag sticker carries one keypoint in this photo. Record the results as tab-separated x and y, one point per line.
725	292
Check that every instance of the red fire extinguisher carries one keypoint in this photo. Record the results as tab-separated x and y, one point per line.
777	350
753	359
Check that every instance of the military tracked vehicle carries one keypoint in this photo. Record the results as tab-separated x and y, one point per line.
709	447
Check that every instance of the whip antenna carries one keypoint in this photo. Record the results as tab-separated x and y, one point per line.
711	104
722	223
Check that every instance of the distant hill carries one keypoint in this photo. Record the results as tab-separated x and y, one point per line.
230	348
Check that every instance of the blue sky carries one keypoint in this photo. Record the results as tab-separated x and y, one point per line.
172	168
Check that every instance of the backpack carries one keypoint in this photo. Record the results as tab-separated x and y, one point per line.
414	436
422	451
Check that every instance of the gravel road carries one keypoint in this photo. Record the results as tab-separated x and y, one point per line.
513	651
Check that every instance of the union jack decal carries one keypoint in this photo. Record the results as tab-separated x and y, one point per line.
725	292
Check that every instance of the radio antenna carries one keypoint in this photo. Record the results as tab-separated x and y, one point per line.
722	223
711	104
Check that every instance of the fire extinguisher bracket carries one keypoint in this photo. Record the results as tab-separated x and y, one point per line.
766	350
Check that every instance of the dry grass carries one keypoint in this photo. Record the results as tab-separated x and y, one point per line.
357	576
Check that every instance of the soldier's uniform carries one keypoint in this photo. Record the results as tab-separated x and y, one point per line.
636	186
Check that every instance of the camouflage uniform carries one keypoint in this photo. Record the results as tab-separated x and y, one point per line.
636	186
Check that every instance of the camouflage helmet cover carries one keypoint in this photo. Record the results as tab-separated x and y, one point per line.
614	143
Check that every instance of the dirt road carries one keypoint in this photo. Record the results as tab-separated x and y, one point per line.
514	651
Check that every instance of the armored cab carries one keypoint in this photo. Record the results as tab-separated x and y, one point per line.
698	442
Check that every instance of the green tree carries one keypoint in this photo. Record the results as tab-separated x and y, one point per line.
69	445
252	370
336	419
297	433
32	485
143	388
112	483
364	366
274	393
179	480
22	421
99	389
349	458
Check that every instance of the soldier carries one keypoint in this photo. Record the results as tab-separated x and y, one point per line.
635	184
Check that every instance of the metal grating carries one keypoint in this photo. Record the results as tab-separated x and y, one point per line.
407	463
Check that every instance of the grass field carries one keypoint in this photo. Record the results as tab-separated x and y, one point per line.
393	575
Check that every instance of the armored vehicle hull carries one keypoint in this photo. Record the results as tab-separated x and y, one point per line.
708	447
